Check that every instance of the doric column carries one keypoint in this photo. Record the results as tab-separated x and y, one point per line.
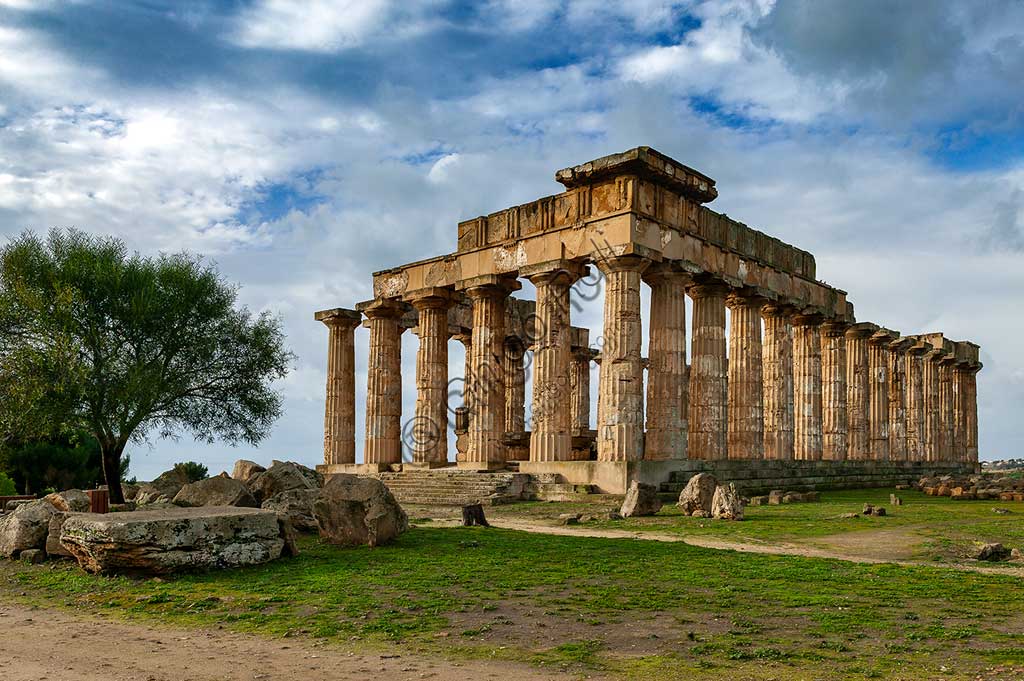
971	383
551	427
384	384
965	411
746	385
484	446
897	383
946	408
429	434
707	424
666	374
579	382
915	400
858	391
777	361
932	435
515	385
807	387
620	431
340	405
878	414
834	413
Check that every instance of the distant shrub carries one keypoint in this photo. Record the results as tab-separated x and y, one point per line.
7	488
193	471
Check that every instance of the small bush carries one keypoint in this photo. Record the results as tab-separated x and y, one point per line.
7	488
194	471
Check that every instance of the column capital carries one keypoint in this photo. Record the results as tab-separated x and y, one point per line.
382	309
622	263
488	285
568	271
431	298
775	310
707	288
883	337
861	330
746	297
919	349
339	318
901	345
968	367
835	328
666	271
807	319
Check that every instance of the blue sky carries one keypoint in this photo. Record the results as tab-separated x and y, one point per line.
303	145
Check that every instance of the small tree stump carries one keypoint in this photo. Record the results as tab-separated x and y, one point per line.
473	514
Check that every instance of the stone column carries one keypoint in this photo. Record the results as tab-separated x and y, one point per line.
963	376
834	412
932	435
666	374
515	385
878	415
897	383
807	387
746	384
579	382
915	401
946	408
551	427
620	431
465	336
707	424
484	447
971	382
777	361
384	385
858	391
429	433
340	405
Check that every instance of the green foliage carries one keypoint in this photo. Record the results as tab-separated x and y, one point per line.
194	471
59	462
125	346
7	488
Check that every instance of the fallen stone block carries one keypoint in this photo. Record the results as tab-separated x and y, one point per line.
727	504
283	476
695	499
32	556
25	527
351	510
641	500
245	470
775	497
297	504
569	519
69	501
992	552
215	491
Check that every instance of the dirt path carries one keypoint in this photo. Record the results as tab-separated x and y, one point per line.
865	547
44	643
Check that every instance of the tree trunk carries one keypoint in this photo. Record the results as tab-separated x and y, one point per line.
111	456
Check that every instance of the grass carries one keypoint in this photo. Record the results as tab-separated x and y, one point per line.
626	608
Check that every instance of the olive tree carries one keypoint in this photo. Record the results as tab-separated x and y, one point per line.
125	346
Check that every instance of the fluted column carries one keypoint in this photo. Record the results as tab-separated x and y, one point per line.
878	415
946	407
484	447
897	383
746	384
620	432
429	433
807	387
707	424
834	413
858	391
579	382
551	427
666	374
915	401
971	383
340	405
384	385
932	437
963	375
777	362
515	386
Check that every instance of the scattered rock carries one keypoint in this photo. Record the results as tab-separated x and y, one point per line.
172	539
775	497
15	503
352	510
641	500
792	498
245	470
297	504
759	501
869	509
880	511
1001	511
25	528
569	519
288	536
163	488
991	552
727	504
895	500
53	546
281	477
812	497
850	515
1016	554
123	508
69	501
215	491
902	487
33	556
695	499
614	515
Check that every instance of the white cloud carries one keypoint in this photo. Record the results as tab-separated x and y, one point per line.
315	25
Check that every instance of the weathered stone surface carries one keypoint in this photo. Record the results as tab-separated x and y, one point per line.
69	501
297	506
283	476
727	504
696	497
288	536
351	510
25	528
641	500
163	488
775	497
53	546
569	518
216	491
33	556
172	539
245	470
990	552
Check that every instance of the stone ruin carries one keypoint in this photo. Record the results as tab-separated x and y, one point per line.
817	394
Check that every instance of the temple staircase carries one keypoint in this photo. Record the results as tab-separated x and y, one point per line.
453	487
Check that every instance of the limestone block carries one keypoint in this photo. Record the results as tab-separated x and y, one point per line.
351	510
215	491
25	528
297	506
696	497
246	470
727	504
641	500
69	501
282	476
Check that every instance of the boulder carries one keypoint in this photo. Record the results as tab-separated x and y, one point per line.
25	527
351	510
695	499
69	501
812	497
216	491
33	556
792	498
315	478
758	501
172	539
164	488
53	546
297	506
895	500
727	504
775	497
641	500
288	536
569	518
281	477
15	503
1016	554
245	470
991	552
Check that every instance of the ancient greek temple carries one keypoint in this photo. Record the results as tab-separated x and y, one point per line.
797	381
